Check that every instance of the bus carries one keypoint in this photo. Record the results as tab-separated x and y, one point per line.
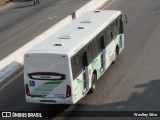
65	67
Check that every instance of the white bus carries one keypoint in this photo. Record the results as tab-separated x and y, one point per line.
66	66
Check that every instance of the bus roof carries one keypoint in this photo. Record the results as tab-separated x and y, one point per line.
75	35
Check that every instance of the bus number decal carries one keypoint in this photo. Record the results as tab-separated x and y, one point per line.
59	95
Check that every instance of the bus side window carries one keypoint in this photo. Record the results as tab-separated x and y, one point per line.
76	65
89	52
119	24
98	42
106	38
96	47
102	42
92	48
108	35
84	59
114	29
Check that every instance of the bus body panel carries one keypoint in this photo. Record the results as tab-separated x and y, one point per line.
47	77
97	65
60	69
100	64
78	88
84	81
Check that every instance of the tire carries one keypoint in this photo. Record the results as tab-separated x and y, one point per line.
116	55
94	79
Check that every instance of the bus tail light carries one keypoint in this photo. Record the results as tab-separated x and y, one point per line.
27	90
68	91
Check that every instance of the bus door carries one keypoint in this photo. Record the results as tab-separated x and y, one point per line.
102	47
85	71
110	44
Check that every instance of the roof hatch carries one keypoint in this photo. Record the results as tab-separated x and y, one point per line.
97	11
69	36
59	44
87	21
81	27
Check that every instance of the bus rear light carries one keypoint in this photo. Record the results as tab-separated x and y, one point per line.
68	91
27	90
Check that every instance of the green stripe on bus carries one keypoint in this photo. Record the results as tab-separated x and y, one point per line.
48	86
53	82
116	40
79	81
94	62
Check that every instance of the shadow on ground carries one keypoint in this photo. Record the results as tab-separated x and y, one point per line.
147	101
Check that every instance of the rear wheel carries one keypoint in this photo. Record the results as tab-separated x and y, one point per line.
94	79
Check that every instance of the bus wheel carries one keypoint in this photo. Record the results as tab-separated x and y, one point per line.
94	79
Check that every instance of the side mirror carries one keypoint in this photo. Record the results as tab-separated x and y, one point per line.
73	15
125	19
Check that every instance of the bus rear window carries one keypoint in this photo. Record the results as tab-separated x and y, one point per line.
47	76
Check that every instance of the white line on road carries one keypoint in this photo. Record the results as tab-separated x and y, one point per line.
108	4
15	30
52	17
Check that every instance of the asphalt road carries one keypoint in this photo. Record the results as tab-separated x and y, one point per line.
22	21
131	84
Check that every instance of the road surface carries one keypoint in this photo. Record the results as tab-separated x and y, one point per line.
22	21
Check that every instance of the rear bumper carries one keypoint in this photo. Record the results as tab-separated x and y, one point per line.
49	100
